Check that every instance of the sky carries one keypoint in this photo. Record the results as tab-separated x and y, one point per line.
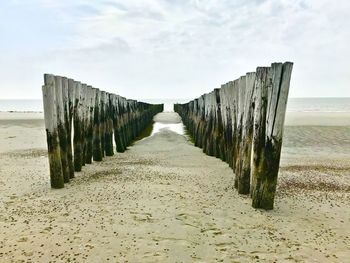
172	48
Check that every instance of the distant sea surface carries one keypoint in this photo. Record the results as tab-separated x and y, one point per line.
294	104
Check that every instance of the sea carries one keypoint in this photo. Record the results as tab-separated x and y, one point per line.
294	104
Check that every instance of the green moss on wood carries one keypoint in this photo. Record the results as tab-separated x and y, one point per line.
56	173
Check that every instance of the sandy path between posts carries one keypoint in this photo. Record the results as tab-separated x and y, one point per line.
165	201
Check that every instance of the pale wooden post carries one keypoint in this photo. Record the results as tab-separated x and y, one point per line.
50	115
272	89
240	109
247	136
235	123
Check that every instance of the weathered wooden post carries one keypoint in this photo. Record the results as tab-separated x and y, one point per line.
50	112
62	133
89	127
71	98
235	125
123	122
84	110
109	126
78	129
226	94
117	123
65	98
97	149
103	122
244	159
272	87
240	109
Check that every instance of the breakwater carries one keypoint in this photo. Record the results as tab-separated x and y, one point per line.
82	123
242	123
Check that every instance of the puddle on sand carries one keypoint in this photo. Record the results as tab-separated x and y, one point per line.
175	127
156	127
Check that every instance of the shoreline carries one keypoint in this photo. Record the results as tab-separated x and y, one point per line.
292	118
164	200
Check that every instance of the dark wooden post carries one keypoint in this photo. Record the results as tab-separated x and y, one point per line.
62	132
109	126
83	104
78	129
89	127
102	122
118	136
97	150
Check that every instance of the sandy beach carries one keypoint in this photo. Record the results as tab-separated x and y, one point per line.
163	200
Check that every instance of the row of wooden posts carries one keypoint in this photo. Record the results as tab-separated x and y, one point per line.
92	117
242	123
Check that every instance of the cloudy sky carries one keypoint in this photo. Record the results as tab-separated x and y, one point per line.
172	48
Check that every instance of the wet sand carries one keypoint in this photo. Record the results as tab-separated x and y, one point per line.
165	201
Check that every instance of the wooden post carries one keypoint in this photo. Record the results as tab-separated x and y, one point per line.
272	87
50	112
102	122
84	110
96	149
71	98
78	129
90	117
118	137
244	159
115	119
65	97
123	122
62	133
235	122
240	109
109	126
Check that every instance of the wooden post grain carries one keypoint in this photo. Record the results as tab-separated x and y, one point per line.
272	89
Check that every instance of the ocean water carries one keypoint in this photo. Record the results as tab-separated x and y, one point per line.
318	105
294	104
21	105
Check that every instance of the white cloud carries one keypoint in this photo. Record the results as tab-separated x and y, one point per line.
167	48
